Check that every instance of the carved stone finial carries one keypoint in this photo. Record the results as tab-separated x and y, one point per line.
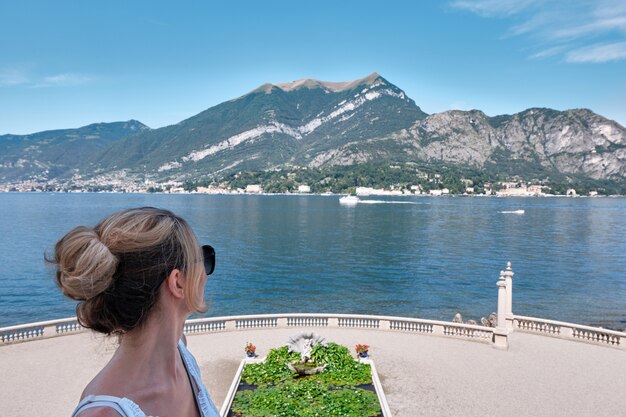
509	271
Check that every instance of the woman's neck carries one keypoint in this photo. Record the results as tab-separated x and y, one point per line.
151	351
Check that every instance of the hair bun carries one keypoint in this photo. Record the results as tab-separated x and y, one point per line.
85	265
115	270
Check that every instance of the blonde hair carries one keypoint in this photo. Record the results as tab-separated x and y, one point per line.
116	268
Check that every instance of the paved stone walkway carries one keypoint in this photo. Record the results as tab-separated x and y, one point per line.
421	375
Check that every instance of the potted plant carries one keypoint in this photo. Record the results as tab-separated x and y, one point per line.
250	350
361	350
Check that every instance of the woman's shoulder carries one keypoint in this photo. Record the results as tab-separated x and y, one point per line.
110	381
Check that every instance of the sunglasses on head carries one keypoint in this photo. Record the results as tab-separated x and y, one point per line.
209	258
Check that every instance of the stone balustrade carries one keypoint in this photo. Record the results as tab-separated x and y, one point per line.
411	326
477	333
595	335
54	328
194	326
359	322
20	333
39	330
255	322
43	330
307	321
498	336
351	321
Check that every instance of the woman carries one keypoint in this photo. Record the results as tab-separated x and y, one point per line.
139	274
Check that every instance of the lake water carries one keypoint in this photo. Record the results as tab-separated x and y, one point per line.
416	256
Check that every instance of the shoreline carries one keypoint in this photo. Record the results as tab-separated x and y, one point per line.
319	195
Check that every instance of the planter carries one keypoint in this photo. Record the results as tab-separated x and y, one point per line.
250	354
348	387
361	350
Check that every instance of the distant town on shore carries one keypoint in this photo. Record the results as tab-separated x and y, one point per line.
388	180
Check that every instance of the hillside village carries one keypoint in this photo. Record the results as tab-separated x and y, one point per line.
121	185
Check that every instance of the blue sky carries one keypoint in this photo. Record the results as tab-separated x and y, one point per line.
70	63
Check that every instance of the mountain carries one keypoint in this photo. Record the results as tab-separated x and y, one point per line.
538	140
319	124
271	126
55	153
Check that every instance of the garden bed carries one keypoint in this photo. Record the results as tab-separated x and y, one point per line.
346	387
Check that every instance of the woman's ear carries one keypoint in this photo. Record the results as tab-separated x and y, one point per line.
175	283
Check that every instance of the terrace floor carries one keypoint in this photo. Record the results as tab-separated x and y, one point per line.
421	375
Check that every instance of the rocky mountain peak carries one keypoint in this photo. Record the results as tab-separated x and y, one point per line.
330	86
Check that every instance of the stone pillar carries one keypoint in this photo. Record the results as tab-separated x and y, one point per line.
500	333
506	298
438	330
502	297
50	331
508	279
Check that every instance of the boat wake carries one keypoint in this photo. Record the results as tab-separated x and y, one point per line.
352	200
513	212
386	202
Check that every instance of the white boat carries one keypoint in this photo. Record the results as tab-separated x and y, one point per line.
349	200
513	212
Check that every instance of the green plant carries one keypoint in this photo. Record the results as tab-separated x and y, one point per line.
273	370
305	399
336	391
